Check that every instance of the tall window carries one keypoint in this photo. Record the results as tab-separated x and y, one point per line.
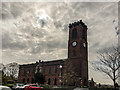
29	72
33	71
49	70
74	33
85	82
48	81
44	70
28	80
32	81
24	72
55	81
55	69
23	80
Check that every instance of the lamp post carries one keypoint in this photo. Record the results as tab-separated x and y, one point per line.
60	74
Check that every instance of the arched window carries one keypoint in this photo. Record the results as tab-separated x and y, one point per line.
49	70
74	33
55	69
33	71
32	81
23	80
85	82
55	81
28	80
48	81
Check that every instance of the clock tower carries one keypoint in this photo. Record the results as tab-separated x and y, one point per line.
77	50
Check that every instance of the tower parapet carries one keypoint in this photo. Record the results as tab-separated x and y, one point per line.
78	23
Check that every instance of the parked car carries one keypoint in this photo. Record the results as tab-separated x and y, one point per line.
25	86
5	88
33	87
18	86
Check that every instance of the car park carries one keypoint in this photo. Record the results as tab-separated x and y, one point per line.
5	88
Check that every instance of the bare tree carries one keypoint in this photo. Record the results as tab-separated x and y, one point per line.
11	69
109	63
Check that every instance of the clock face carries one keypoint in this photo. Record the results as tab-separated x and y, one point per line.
84	45
74	44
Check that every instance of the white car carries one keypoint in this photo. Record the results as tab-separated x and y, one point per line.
24	86
17	86
5	88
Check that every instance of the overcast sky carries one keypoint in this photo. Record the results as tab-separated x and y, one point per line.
39	30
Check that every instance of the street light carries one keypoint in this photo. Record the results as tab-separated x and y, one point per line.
60	74
60	66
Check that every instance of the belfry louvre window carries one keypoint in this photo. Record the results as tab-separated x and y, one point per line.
74	53
74	33
83	34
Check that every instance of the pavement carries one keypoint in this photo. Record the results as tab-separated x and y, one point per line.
81	89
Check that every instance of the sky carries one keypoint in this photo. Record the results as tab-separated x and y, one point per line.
33	31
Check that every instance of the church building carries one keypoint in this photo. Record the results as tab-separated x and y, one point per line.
77	54
50	69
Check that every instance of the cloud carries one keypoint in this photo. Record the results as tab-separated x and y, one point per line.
34	31
9	43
